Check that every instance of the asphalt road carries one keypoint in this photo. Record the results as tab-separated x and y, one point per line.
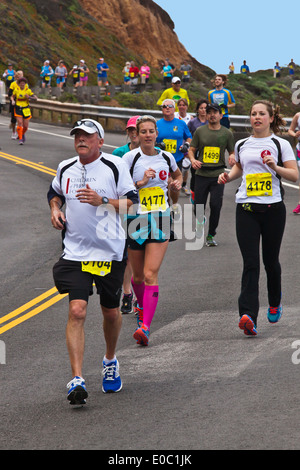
201	384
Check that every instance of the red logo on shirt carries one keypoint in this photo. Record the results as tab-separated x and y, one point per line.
163	175
265	153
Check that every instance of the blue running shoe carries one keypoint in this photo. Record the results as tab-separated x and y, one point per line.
77	393
274	314
247	324
141	335
111	378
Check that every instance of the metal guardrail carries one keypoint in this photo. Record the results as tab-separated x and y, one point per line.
56	112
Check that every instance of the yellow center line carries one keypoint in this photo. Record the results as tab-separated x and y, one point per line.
56	298
22	161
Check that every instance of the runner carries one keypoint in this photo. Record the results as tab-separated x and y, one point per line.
167	73
133	73
182	113
193	124
149	230
245	68
125	72
186	69
9	75
145	72
22	95
60	72
12	103
75	75
102	69
83	73
261	160
223	97
174	93
173	132
207	155
46	74
294	131
91	185
127	300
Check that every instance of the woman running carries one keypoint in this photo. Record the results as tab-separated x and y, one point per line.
149	229
261	160
22	95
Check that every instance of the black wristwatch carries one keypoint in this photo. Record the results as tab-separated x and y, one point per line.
105	200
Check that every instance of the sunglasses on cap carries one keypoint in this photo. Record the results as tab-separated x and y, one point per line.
87	124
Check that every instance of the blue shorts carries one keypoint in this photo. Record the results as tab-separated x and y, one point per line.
60	80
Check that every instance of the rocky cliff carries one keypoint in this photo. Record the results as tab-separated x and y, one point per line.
119	30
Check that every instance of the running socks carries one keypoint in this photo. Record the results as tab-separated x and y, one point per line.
139	292
20	132
150	302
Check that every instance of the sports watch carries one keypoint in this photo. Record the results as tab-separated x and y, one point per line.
105	200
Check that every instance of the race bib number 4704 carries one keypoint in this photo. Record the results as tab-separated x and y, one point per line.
99	268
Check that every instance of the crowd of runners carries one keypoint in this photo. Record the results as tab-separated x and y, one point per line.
135	192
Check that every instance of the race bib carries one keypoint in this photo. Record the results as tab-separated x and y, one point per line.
9	77
132	74
259	184
211	155
26	112
82	74
47	78
171	145
98	268
152	199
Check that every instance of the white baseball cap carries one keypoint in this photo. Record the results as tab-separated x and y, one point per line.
176	79
90	126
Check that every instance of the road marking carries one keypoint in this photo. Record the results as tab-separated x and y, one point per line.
59	135
22	161
56	297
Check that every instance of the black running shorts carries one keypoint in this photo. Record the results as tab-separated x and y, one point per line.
69	278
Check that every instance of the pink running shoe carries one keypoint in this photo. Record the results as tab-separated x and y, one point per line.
297	210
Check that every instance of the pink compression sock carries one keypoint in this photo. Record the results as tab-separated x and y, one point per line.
139	292
150	302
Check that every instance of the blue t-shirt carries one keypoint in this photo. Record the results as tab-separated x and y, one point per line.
173	134
102	73
219	97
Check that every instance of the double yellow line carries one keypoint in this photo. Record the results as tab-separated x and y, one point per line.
45	300
22	161
51	294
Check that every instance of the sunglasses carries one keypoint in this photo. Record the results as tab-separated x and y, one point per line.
87	124
167	106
